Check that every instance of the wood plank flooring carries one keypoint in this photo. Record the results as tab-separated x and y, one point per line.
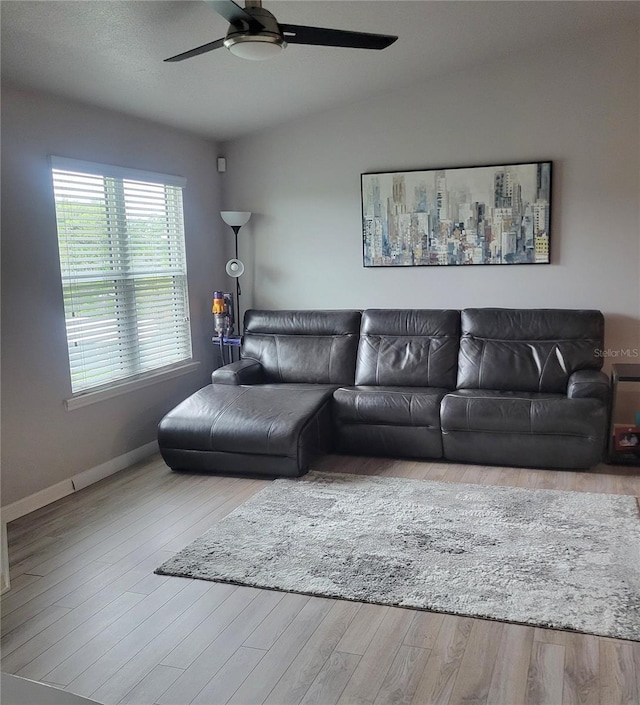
86	612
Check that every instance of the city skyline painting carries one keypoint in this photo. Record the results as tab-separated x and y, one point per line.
457	216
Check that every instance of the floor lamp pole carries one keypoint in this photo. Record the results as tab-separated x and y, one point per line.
236	230
235	220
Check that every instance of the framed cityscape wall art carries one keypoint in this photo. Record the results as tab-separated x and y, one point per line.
457	216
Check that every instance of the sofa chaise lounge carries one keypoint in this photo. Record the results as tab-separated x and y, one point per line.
518	387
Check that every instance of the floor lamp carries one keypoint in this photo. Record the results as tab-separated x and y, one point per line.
235	268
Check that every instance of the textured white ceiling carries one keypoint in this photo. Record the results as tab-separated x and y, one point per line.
110	53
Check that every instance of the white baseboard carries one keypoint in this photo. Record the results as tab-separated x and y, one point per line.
88	477
4	559
36	501
77	482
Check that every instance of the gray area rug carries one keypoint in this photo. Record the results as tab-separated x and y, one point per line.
567	560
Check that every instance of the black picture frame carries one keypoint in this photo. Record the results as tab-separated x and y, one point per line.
460	216
627	439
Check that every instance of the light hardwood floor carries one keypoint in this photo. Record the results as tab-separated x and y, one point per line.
86	612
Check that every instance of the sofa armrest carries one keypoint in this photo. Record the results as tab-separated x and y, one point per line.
241	372
589	384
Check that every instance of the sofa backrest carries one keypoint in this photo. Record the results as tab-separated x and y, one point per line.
409	348
316	347
527	350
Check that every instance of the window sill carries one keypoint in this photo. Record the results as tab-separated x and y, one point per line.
114	390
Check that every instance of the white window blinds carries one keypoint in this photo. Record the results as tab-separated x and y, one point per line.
124	275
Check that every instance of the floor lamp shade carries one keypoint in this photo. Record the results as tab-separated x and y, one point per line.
235	218
235	268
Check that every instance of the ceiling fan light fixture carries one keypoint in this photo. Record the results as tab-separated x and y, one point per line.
255	34
255	47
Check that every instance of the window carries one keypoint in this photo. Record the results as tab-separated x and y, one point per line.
124	275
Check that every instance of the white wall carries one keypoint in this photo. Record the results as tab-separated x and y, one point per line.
42	443
575	104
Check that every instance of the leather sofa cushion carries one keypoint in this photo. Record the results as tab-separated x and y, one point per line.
394	406
532	350
254	420
520	412
589	384
317	347
413	348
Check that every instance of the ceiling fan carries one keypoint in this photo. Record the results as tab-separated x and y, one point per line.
254	33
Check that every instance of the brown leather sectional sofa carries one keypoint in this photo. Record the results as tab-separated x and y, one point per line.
517	387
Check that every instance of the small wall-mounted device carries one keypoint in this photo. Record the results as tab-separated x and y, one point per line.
222	165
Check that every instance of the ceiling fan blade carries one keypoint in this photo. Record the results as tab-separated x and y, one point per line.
296	34
197	51
234	14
